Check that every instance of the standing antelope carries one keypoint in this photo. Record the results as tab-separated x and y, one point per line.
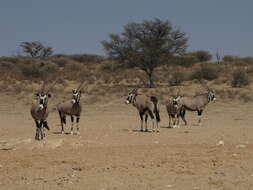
39	112
196	103
72	108
146	106
173	108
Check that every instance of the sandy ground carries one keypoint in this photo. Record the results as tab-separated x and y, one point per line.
112	154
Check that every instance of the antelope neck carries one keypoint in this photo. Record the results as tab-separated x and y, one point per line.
134	98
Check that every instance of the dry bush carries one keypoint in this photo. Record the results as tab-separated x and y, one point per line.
91	99
205	72
61	61
185	60
246	96
38	69
75	71
8	69
177	77
241	94
30	70
240	78
110	66
227	93
73	66
4	86
229	58
86	58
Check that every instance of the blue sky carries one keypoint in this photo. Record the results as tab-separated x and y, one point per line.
78	26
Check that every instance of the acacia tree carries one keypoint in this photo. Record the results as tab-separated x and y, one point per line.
146	45
36	49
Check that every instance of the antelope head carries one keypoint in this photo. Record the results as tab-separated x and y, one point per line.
76	93
176	100
43	95
211	96
131	96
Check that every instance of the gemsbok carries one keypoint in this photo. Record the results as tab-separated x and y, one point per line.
147	106
39	111
72	108
173	109
196	103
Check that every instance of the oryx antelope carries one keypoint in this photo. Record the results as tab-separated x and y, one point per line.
39	111
147	106
73	108
196	103
173	108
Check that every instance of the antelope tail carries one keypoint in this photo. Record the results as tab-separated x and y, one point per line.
156	110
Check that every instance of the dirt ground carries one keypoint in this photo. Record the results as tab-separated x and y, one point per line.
111	153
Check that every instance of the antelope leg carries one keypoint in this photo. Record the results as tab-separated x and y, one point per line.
146	122
77	125
200	114
157	127
72	125
141	116
37	130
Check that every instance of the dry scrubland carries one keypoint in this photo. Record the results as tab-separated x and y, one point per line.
111	153
22	76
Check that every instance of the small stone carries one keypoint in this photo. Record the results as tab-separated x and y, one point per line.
240	146
220	143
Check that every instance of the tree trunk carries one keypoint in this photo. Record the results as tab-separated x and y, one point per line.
151	82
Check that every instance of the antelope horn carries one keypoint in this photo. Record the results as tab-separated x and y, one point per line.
178	91
80	87
134	90
54	83
43	87
205	86
208	89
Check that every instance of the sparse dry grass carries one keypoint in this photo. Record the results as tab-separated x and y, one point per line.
22	76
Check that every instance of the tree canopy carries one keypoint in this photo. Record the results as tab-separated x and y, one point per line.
146	45
36	49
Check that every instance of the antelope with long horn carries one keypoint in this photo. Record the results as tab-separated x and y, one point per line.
147	106
173	109
196	103
73	108
39	111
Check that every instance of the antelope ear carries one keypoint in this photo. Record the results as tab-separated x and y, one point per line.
49	95
37	94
